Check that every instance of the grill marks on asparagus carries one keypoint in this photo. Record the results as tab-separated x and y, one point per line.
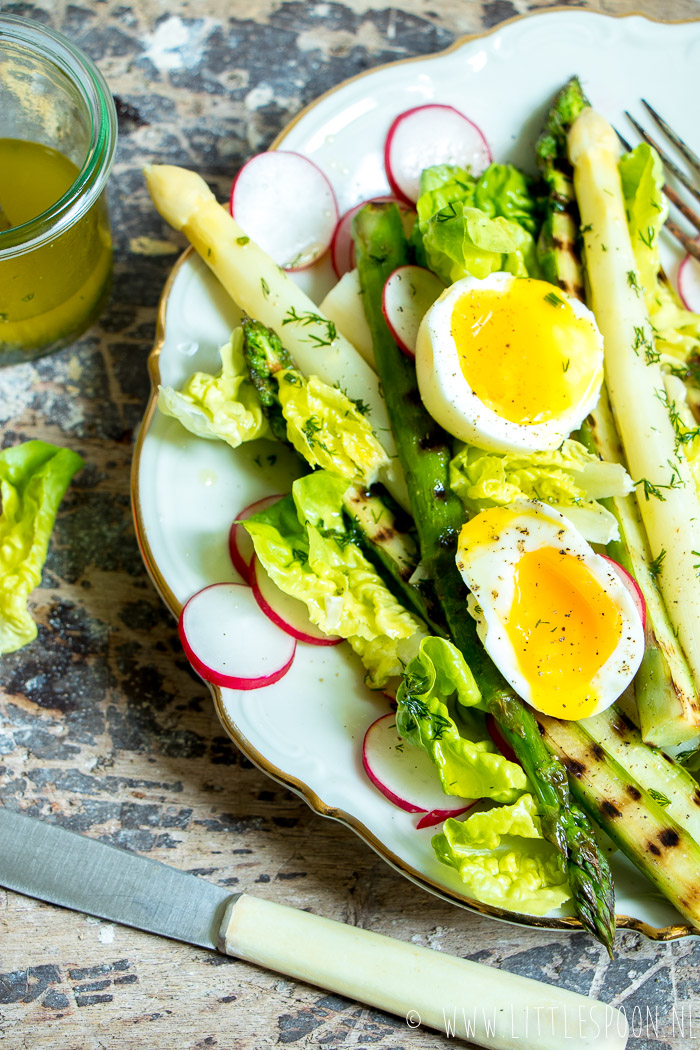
642	828
558	245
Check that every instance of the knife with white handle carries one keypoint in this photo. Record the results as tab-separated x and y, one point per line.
490	1007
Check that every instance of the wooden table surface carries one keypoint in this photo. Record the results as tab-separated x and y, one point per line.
104	727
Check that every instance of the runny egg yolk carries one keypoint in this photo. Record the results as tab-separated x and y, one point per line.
523	350
563	627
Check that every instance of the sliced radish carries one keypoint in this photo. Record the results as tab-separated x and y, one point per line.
230	642
405	774
287	612
632	586
409	292
240	545
689	283
428	135
499	740
439	816
343	246
287	205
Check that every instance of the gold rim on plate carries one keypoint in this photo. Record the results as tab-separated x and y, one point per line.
565	923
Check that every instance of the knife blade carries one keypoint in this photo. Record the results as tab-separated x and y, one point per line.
491	1008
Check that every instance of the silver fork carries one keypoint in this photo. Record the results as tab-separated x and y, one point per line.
689	243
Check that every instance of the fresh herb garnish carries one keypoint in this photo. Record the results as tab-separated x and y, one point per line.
265	287
657	562
649	239
292	317
553	299
659	798
633	282
312	427
242	240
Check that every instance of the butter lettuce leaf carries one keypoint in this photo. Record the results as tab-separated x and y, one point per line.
569	478
474	227
506	191
221	407
503	858
439	710
304	545
328	429
33	479
676	330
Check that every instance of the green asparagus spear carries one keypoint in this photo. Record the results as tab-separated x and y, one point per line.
557	245
424	450
668	706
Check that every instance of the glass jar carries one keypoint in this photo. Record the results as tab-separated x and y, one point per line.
58	133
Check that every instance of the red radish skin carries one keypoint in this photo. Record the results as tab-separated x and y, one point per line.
408	294
689	283
240	545
405	775
499	740
286	612
229	641
343	246
428	135
286	204
439	816
632	586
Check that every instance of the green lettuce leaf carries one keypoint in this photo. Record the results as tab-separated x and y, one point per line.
569	478
467	762
328	429
503	859
33	478
504	190
469	227
303	544
222	407
676	330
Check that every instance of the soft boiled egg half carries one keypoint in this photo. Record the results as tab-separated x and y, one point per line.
552	614
509	363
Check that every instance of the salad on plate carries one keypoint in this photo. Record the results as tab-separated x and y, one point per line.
498	501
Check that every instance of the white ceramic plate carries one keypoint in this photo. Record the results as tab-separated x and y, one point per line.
306	730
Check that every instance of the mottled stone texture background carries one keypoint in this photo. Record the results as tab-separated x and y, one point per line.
104	728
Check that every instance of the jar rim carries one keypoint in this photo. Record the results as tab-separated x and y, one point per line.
80	196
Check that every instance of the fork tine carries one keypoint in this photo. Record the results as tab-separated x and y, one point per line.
683	208
677	141
692	247
672	167
623	140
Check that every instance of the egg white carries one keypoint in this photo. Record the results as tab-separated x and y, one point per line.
451	401
488	569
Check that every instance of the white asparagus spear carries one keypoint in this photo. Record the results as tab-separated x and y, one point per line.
666	493
492	1008
262	290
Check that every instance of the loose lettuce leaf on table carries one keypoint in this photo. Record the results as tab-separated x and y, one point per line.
304	545
435	682
33	478
503	859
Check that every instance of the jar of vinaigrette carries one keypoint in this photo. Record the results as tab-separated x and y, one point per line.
58	132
